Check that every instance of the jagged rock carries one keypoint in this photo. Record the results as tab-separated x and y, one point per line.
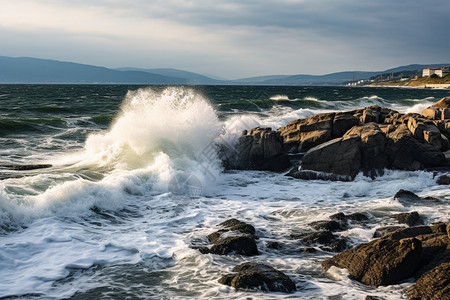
407	197
324	239
342	122
410	219
438	111
444	180
341	156
406	153
303	134
433	285
380	262
236	225
258	276
258	149
373	143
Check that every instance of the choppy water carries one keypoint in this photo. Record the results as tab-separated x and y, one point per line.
135	181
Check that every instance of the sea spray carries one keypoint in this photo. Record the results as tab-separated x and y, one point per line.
160	141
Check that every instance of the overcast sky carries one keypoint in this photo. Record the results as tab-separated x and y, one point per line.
231	39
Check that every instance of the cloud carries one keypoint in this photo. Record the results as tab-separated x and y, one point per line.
232	38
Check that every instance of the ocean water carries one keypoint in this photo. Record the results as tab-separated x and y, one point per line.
135	181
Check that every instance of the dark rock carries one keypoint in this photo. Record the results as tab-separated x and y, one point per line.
373	142
408	195
409	232
339	216
383	231
359	217
315	175
273	245
411	218
17	167
444	180
308	250
342	122
340	156
236	225
435	284
242	244
324	239
369	297
257	149
327	225
380	262
405	152
258	276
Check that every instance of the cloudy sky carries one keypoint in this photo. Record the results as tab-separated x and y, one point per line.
231	39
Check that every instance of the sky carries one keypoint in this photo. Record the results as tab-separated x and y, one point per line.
230	39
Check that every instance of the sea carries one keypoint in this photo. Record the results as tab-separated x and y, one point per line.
105	189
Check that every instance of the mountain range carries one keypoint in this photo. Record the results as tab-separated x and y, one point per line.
28	70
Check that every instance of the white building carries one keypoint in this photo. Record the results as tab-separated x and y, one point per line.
441	72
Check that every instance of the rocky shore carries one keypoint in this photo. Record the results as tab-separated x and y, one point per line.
339	145
396	254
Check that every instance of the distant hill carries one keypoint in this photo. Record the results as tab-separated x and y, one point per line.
35	70
189	77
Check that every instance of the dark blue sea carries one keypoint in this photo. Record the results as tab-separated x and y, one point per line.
104	189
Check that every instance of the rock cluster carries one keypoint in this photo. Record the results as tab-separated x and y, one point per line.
343	144
421	252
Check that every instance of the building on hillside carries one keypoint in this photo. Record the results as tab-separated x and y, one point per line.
441	72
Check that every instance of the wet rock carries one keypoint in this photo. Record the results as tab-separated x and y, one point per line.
341	156
327	225
273	245
380	262
257	149
369	297
433	285
359	217
444	180
259	276
411	218
324	239
339	216
383	231
406	195
242	244
315	175
17	167
234	237
308	250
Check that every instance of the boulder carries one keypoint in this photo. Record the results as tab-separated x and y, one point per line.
342	122
433	285
383	231
410	219
303	134
380	262
258	276
341	156
439	110
258	149
324	239
234	236
328	225
373	143
443	180
316	175
406	153
241	244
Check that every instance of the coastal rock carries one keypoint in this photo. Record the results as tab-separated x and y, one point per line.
439	110
316	175
241	244
303	134
341	156
324	239
444	180
380	262
410	219
258	149
433	285
234	237
258	276
327	225
406	153
383	231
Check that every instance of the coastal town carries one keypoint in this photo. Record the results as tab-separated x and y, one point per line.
428	78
